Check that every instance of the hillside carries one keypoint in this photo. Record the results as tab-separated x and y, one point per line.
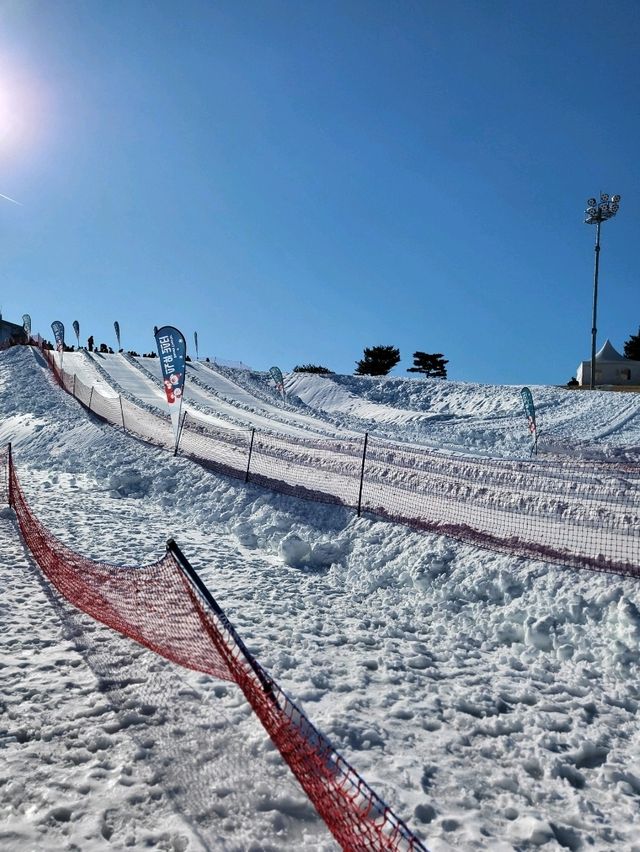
489	699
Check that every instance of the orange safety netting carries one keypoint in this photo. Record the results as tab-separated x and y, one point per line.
165	607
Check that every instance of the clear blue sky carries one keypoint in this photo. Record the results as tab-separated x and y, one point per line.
297	180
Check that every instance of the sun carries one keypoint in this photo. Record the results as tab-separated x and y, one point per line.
10	117
22	114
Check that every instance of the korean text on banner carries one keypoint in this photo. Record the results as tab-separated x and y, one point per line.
58	332
172	351
276	375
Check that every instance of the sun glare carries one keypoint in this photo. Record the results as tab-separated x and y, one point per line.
20	114
9	116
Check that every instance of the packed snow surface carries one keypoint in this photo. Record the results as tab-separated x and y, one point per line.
491	701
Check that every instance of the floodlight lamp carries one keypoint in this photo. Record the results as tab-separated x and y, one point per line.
615	208
604	196
591	202
615	199
591	211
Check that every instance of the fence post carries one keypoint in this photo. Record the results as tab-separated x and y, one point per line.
246	476
187	569
122	412
184	417
90	397
364	456
74	384
9	472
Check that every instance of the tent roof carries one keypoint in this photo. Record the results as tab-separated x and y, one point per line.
608	353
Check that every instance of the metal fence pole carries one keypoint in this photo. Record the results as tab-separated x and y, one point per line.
122	412
74	384
90	397
364	456
184	417
9	472
246	476
189	571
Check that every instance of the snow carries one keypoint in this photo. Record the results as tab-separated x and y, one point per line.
209	395
491	701
483	419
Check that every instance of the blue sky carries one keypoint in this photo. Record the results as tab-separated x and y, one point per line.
298	180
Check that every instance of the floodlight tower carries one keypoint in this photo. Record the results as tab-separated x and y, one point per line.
595	214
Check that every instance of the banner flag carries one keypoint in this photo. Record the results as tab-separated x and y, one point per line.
530	411
172	350
58	332
195	340
116	326
26	324
76	328
276	375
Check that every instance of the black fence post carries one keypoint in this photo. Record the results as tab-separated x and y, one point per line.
364	457
190	572
184	417
122	412
74	384
90	397
9	476
246	476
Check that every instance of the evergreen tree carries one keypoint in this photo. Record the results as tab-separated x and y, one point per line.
632	347
429	364
313	368
378	361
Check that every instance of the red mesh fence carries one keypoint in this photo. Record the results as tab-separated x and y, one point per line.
223	450
580	513
165	607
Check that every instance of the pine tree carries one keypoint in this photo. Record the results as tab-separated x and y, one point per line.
313	368
632	347
429	364
378	361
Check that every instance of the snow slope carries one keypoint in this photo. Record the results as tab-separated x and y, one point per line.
493	702
209	395
481	419
463	416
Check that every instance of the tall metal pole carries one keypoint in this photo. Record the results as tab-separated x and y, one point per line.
594	330
596	213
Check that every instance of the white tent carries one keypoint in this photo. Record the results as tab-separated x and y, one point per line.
612	368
